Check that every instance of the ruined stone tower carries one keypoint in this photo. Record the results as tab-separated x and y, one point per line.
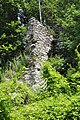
38	45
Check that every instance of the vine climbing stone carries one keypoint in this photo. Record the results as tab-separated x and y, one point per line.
38	45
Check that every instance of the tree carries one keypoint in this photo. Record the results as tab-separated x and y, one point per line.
40	11
11	31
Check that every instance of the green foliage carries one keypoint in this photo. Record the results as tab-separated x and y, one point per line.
62	16
73	75
14	92
4	109
63	108
57	62
11	31
68	17
56	83
15	68
11	43
61	99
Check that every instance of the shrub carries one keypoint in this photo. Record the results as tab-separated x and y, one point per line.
56	83
62	108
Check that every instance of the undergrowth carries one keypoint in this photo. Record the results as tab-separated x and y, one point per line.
60	101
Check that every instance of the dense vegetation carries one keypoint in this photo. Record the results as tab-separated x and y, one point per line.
61	99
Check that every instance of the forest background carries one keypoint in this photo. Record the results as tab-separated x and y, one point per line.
61	100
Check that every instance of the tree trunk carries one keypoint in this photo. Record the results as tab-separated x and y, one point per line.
40	11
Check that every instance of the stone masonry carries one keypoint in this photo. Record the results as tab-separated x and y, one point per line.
38	45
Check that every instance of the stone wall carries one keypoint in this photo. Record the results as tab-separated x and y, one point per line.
38	45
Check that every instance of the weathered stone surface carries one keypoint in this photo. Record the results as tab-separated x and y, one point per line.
38	45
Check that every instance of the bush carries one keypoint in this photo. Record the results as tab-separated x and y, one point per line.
15	92
62	108
73	75
4	109
56	83
15	68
